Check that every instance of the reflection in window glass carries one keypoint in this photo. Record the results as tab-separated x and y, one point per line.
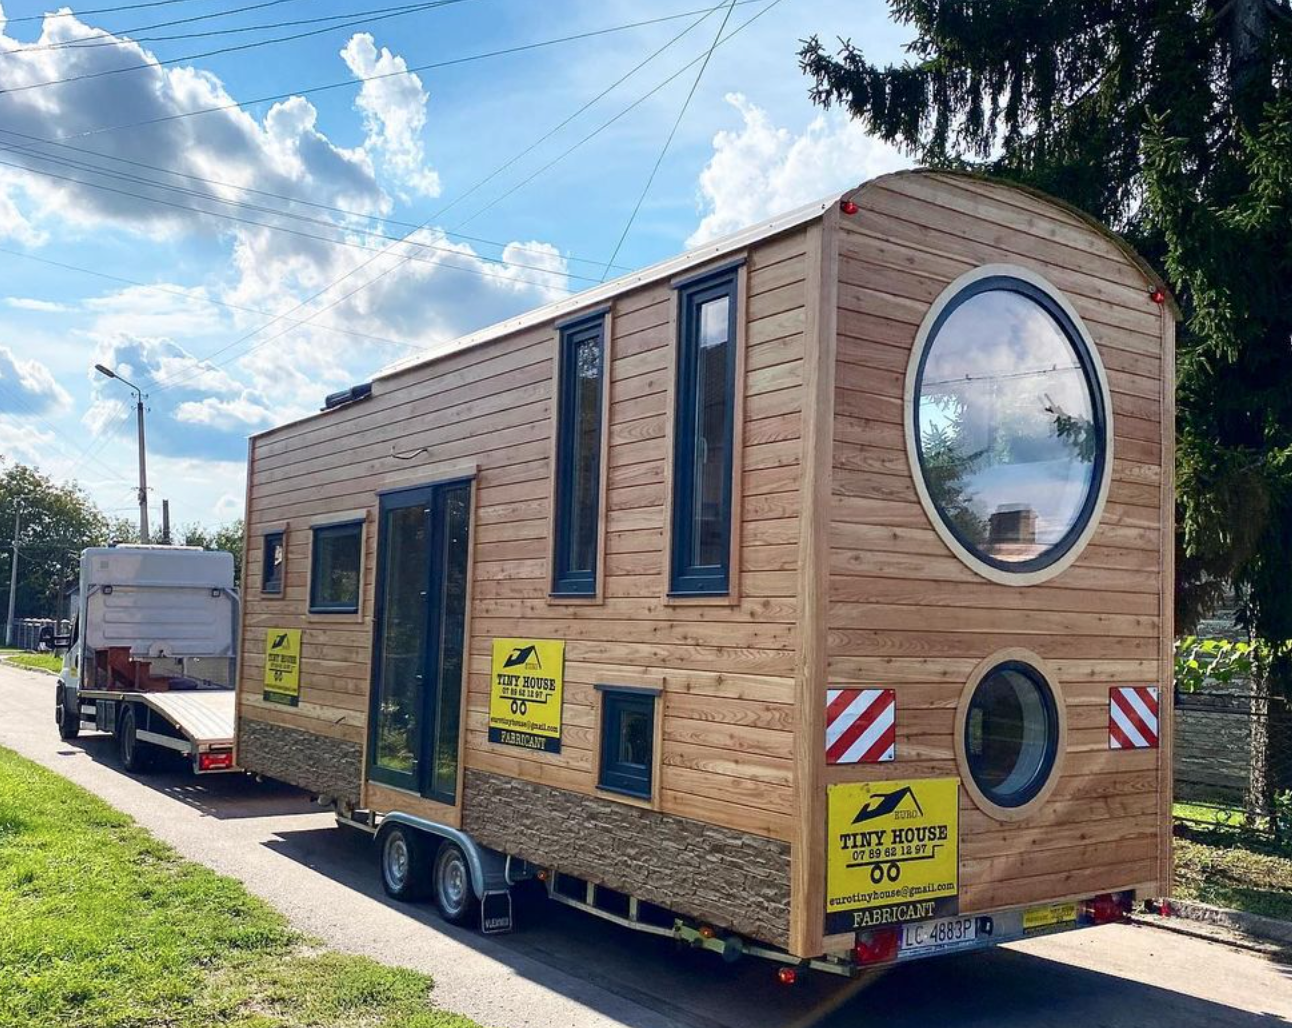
705	406
455	522
579	459
334	574
271	571
710	532
627	742
1009	426
1011	734
402	639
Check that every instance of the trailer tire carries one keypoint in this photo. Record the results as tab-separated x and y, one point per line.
136	756
404	860
67	718
452	881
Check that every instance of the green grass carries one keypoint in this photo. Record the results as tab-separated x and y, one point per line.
1204	815
103	926
40	661
1235	877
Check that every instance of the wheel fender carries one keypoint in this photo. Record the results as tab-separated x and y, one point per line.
487	866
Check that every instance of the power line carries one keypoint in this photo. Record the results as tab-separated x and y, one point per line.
55	441
363	286
441	262
146	65
112	37
96	10
359	79
201	299
606	124
667	142
274	212
288	198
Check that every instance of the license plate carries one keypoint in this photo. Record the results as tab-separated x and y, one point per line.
943	934
1046	917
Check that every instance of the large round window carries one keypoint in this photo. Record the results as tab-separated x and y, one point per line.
1011	734
1010	429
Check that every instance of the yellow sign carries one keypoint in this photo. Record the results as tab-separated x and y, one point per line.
891	852
525	689
283	665
1046	917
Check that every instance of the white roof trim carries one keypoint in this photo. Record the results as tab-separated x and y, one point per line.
665	269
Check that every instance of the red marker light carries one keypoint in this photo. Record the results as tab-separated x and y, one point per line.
215	760
787	975
878	946
1158	295
848	207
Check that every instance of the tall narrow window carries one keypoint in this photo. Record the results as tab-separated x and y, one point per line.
578	458
272	561
705	404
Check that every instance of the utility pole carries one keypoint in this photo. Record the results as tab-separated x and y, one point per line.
13	576
143	458
165	533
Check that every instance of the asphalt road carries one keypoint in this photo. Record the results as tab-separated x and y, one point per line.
568	970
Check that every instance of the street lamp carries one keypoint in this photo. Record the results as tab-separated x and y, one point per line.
143	462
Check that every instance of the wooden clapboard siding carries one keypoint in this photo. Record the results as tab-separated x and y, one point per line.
908	614
727	670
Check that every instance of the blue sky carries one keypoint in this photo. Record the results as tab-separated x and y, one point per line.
302	194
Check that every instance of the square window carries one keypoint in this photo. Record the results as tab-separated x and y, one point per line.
335	559
273	561
627	741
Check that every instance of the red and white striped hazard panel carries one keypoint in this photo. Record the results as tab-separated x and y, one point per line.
1132	717
860	726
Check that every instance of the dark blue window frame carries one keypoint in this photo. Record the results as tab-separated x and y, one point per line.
571	518
327	531
687	576
630	779
271	576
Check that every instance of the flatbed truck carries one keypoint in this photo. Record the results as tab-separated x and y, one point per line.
151	655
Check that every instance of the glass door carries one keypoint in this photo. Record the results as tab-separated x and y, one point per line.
420	619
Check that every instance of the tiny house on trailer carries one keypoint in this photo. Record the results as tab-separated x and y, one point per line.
805	594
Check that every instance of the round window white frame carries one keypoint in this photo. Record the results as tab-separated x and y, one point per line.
967	556
980	799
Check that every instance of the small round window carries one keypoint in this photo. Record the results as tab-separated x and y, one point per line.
1011	734
1010	429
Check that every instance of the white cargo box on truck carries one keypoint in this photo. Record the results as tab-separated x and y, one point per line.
152	651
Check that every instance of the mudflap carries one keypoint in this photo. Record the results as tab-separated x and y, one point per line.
495	912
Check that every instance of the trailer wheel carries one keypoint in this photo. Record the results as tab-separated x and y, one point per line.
453	893
136	755
68	720
403	863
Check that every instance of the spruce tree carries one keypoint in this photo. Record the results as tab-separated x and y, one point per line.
1170	121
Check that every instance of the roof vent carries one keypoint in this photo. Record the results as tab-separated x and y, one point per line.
346	396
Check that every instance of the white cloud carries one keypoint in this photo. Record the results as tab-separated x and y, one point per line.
394	112
763	170
240	412
157	310
27	387
27	303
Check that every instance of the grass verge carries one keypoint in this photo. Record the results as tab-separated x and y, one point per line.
103	926
38	661
1231	876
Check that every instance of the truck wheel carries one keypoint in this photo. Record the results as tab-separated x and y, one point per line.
136	755
453	893
67	719
403	863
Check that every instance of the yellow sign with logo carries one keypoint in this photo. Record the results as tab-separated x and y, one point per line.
891	852
283	665
525	687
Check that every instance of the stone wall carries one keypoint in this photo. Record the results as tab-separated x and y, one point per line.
727	878
316	763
